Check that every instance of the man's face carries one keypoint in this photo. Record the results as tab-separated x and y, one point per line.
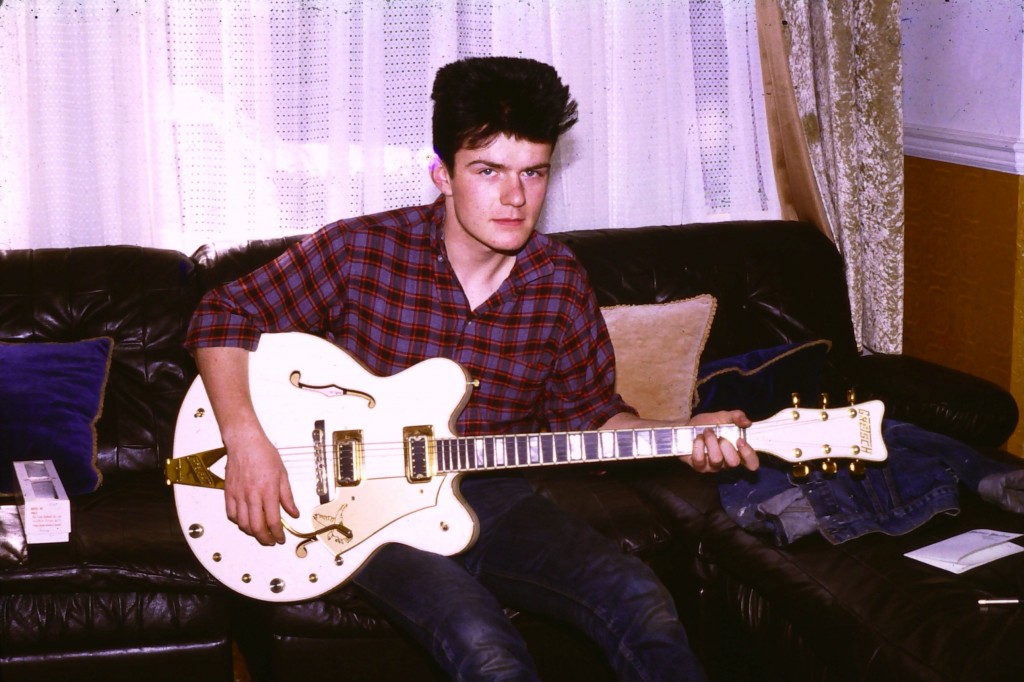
494	194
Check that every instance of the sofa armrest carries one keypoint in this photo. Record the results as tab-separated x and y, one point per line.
937	398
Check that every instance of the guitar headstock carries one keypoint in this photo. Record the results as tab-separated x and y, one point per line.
802	435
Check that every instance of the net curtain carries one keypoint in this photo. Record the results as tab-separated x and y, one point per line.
174	124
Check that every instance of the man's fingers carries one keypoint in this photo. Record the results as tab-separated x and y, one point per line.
750	459
711	453
287	500
265	520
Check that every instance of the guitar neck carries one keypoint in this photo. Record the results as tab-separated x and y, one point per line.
494	453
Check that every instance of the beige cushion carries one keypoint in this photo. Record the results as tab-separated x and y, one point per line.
657	348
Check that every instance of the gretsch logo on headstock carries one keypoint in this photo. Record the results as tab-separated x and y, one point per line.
864	421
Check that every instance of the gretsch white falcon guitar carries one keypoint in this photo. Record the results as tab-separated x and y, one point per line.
373	460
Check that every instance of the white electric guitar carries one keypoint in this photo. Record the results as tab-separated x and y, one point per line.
373	460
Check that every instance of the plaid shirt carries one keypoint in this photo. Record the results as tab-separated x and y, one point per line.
381	287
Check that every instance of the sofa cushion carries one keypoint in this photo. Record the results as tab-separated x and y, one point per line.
657	348
50	399
762	381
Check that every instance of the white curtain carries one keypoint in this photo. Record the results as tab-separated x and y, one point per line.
182	122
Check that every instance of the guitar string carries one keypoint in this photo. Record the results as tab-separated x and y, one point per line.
383	450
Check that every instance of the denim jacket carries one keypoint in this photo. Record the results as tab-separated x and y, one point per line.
918	480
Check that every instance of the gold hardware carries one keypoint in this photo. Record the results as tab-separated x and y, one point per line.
246	578
216	556
199	413
313	534
798	453
796	399
277	585
829	467
801	471
348	457
195	469
195	531
824	401
851	396
857	467
339	560
855	449
312	577
444	526
420	453
826	448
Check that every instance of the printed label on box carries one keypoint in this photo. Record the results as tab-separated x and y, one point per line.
43	504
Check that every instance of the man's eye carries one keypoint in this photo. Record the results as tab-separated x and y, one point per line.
487	171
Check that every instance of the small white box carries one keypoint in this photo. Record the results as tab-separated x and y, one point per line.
43	503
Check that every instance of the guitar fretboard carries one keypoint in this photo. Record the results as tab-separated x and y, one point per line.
488	453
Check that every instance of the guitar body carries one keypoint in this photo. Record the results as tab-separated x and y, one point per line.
303	386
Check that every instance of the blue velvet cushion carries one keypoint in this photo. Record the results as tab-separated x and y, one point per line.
51	395
763	381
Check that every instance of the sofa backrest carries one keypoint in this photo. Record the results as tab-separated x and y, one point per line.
775	282
143	299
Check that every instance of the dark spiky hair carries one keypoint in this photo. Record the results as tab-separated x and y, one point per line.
478	98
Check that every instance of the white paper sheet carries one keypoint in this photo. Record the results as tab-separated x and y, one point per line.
968	550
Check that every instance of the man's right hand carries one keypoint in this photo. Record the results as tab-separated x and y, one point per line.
256	488
256	485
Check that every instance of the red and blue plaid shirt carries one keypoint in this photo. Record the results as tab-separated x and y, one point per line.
381	287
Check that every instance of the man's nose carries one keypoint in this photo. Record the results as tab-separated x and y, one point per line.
513	193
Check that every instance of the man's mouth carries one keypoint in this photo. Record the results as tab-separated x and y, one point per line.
509	222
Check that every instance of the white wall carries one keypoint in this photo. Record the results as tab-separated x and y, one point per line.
962	67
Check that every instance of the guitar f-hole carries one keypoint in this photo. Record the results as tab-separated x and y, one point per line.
331	390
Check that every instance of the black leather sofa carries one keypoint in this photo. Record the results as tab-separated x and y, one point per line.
125	599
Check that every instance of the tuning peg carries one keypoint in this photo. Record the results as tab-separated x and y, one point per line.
851	396
801	471
824	407
857	467
829	466
796	399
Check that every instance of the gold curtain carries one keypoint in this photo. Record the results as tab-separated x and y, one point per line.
833	82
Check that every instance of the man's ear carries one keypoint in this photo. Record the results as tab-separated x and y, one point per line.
439	174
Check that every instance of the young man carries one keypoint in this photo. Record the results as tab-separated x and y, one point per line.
466	278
